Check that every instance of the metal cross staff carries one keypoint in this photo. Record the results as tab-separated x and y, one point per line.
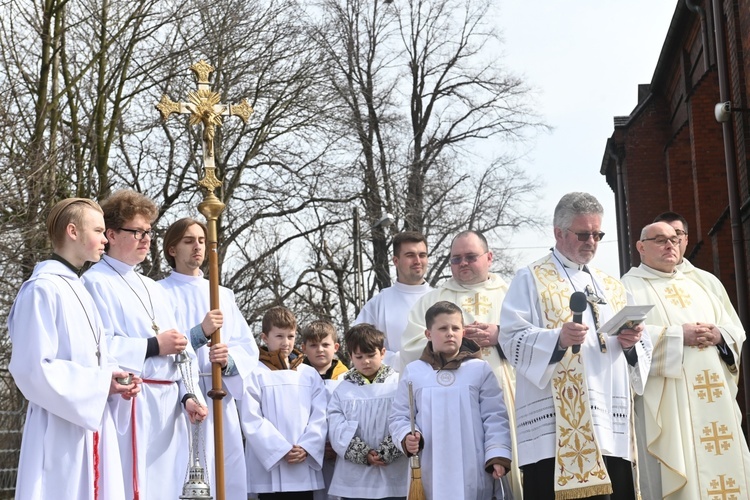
204	107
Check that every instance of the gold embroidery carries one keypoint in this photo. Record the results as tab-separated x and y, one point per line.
577	435
722	489
614	290
716	438
677	296
580	470
554	294
479	305
709	386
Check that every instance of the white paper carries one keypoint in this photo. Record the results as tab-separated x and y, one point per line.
628	317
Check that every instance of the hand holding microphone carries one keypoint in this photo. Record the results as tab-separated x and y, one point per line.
574	333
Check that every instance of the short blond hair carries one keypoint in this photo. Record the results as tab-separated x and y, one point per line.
67	211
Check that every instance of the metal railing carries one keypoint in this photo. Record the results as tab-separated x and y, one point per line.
11	427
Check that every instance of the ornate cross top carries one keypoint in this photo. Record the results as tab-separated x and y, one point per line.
204	107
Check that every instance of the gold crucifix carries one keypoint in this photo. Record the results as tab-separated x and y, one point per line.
204	107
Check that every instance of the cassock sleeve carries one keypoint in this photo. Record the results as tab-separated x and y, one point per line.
528	347
341	430
313	439
62	387
399	422
269	445
497	442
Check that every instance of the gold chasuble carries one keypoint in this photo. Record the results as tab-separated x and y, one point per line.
692	419
579	466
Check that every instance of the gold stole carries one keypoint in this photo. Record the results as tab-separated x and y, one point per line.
579	466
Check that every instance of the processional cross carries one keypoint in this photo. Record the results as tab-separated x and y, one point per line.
204	107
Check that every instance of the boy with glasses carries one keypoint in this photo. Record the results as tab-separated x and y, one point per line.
140	328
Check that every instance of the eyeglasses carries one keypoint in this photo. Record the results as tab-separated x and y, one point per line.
680	232
662	240
138	234
470	258
585	236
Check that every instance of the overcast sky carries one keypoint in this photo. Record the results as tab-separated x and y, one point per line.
586	59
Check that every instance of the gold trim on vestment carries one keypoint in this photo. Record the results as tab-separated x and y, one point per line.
580	470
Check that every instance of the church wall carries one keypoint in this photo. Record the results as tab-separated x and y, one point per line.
645	170
686	151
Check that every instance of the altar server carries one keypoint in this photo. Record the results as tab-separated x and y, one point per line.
61	364
141	330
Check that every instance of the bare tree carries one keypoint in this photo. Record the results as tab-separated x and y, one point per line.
420	88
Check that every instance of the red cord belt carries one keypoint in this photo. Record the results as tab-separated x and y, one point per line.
136	493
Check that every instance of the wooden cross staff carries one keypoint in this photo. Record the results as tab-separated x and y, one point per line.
204	107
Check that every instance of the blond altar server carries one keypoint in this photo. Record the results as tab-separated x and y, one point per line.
479	293
61	364
188	290
141	331
689	412
573	405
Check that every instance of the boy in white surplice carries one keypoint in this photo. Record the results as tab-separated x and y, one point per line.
283	416
462	425
369	465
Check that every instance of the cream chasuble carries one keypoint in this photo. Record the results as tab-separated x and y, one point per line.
691	417
563	407
481	303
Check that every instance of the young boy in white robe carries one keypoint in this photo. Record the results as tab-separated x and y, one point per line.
319	345
283	416
462	425
61	364
369	465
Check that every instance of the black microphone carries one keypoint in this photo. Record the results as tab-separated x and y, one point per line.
578	304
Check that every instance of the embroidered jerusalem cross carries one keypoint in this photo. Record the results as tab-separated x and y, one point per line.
716	438
722	489
708	386
677	296
480	304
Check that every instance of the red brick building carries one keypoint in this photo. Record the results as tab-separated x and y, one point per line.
669	153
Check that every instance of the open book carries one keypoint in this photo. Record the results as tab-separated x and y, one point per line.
627	318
